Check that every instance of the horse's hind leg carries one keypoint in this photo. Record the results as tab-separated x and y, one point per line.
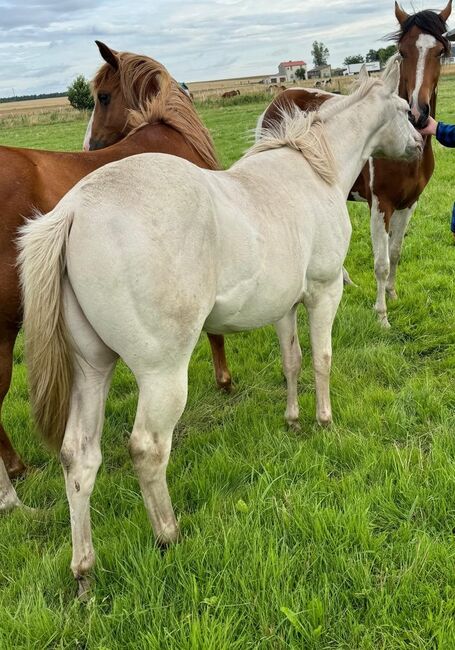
8	496
11	458
291	356
222	374
162	398
80	453
322	306
398	225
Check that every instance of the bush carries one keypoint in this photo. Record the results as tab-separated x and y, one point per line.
80	95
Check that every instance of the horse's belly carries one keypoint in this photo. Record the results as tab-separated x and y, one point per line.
251	309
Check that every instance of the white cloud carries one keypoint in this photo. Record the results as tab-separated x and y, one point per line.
44	44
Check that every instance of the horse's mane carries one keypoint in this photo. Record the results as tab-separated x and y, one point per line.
427	21
152	95
304	131
301	131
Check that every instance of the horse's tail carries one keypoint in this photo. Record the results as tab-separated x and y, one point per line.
42	260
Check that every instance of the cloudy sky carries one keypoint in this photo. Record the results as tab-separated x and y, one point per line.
44	44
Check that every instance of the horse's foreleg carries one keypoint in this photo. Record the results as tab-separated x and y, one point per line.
380	241
11	458
162	398
398	225
222	374
322	307
291	356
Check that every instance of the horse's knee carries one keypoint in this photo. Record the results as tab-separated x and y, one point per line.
382	269
148	448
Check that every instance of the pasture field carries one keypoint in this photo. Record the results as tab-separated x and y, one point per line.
323	539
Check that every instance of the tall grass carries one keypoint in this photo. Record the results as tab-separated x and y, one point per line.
41	117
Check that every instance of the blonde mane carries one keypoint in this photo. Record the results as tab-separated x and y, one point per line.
152	95
305	133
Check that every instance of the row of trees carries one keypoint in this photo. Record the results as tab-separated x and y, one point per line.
381	55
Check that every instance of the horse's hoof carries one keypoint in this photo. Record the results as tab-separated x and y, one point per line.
391	294
83	589
15	467
324	421
225	384
382	318
294	425
167	536
9	501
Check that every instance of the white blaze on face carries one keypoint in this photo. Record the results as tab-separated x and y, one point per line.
88	133
424	43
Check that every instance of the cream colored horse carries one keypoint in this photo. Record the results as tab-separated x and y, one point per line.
144	254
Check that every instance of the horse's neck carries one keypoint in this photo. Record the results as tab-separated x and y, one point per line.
161	138
348	133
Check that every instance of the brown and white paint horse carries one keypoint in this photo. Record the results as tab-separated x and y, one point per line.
161	119
392	188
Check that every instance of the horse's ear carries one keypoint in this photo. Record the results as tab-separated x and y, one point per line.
392	77
445	13
110	56
363	73
401	15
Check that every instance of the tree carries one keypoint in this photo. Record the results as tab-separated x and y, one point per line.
300	73
319	53
372	55
355	58
80	95
385	53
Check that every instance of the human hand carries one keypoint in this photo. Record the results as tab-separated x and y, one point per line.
429	128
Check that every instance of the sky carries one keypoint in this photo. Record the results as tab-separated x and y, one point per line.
44	44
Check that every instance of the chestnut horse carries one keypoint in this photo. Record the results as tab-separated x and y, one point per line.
161	119
390	187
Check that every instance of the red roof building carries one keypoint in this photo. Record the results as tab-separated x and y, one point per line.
293	64
288	69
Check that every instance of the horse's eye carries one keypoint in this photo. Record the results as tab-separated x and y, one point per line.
402	54
104	98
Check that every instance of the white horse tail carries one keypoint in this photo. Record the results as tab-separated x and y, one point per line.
42	260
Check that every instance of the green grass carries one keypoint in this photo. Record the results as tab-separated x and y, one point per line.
340	538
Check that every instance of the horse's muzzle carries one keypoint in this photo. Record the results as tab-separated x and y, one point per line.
420	121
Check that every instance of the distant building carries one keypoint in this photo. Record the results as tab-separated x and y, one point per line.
288	69
354	68
320	72
451	57
275	79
